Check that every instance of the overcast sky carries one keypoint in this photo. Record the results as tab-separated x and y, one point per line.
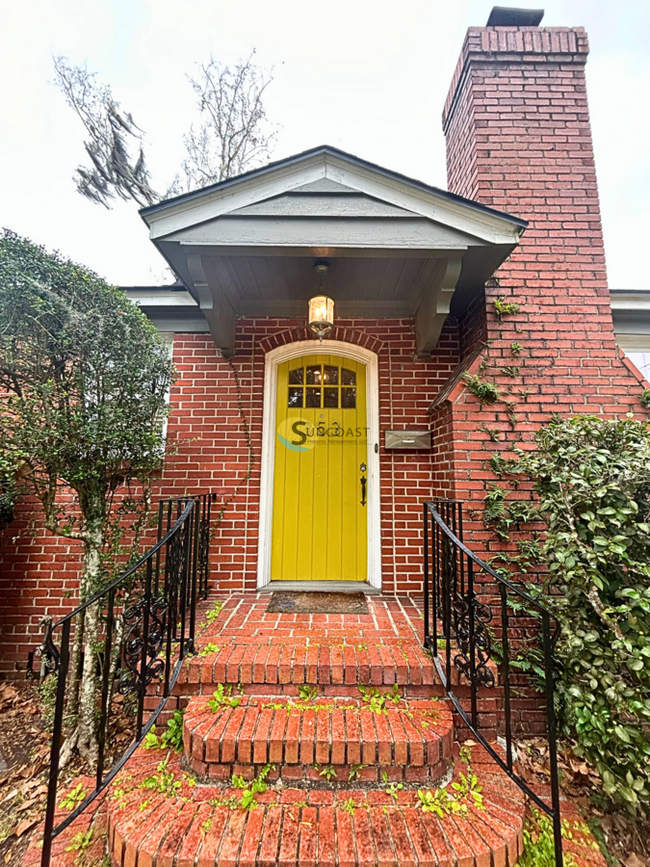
367	76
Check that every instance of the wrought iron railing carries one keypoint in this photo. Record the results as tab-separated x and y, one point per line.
147	622
462	631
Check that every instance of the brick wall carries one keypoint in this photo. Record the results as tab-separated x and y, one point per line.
38	572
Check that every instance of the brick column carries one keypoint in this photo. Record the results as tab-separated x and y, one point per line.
518	139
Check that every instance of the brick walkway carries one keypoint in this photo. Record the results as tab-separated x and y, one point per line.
390	620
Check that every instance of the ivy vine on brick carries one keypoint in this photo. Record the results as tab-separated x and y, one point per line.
486	392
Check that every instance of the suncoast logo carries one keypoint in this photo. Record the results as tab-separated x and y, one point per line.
300	435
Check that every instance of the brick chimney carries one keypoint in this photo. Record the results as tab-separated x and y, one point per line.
518	137
516	121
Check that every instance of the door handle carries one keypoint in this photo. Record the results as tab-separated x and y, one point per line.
363	490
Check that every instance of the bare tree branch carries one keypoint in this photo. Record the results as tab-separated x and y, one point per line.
235	135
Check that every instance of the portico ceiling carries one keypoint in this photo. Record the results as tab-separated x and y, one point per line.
395	246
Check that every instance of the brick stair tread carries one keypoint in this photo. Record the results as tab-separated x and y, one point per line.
414	736
302	826
314	660
269	661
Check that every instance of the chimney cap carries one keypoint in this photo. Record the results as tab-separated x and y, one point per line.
509	16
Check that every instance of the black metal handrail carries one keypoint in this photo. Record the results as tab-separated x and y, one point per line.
148	617
457	624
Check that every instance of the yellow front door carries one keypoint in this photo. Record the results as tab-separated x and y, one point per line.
320	489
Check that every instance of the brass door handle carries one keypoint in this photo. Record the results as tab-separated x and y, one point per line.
363	490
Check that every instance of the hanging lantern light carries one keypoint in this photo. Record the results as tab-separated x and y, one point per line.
321	308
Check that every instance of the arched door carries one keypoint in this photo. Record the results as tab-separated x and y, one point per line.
320	486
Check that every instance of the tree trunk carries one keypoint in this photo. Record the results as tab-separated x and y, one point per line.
90	581
83	738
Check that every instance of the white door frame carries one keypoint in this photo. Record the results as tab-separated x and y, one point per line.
273	359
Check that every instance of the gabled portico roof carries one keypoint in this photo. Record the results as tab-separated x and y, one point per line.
396	246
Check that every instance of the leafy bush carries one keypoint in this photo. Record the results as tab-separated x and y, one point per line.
593	477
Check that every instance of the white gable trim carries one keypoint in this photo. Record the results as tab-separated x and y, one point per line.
488	227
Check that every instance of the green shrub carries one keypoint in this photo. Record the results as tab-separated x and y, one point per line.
593	477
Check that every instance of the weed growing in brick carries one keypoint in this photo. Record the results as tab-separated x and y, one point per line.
355	772
210	647
329	772
495	505
163	782
393	789
501	466
456	802
458	796
349	806
505	308
72	798
516	348
221	697
511	370
493	432
171	738
250	789
644	400
214	612
375	700
307	693
80	842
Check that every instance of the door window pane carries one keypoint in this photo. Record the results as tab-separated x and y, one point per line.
313	397
331	375
313	375
297	376
331	398
348	377
295	397
348	398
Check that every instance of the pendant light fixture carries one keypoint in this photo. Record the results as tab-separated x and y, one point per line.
321	308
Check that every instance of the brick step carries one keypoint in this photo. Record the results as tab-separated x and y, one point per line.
268	662
408	741
204	825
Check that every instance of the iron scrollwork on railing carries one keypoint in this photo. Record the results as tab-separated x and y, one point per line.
458	630
49	652
143	642
468	612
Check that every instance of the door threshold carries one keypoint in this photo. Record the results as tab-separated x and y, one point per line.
320	587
